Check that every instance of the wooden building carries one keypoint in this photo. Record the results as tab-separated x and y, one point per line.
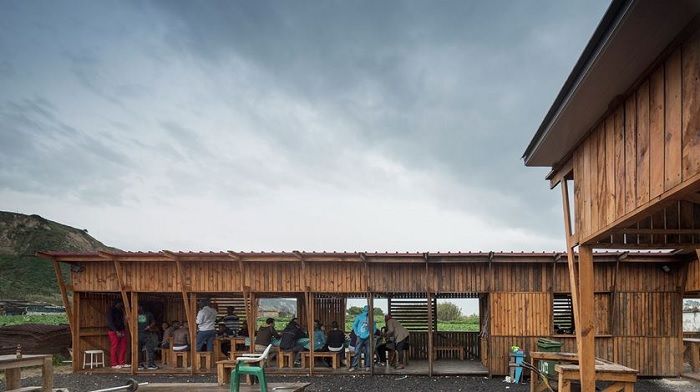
625	130
638	297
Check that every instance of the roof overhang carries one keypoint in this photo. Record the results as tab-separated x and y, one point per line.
628	40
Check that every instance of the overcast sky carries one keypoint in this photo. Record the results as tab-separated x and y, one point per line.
326	125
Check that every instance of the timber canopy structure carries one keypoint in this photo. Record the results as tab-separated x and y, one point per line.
625	130
519	294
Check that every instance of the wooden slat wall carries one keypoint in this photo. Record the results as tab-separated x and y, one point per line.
521	314
648	145
648	278
330	309
522	277
692	283
660	356
647	314
336	277
459	278
211	277
274	277
156	277
99	276
392	277
604	277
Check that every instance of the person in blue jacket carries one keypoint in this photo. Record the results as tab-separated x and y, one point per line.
361	328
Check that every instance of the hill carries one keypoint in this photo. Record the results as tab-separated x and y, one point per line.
25	276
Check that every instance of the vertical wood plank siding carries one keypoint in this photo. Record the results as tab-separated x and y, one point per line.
518	301
649	144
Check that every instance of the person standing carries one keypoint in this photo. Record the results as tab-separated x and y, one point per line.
206	325
400	334
361	328
231	322
148	338
117	335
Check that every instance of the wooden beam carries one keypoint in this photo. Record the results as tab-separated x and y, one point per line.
119	270
564	172
64	292
310	328
656	231
573	281
187	304
192	331
613	299
429	298
370	305
678	192
586	327
133	327
75	333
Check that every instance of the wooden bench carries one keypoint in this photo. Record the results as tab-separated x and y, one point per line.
622	378
458	350
203	361
224	367
334	356
180	355
692	345
285	357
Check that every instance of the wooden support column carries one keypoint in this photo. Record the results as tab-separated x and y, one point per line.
64	291
613	299
370	305
586	327
189	315
430	333
119	270
75	333
312	317
133	323
585	333
193	332
251	314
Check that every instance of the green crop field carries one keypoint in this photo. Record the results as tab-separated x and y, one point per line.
51	319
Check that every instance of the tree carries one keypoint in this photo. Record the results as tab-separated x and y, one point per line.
448	312
354	311
378	312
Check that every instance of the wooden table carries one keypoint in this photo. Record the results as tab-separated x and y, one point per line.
621	377
536	385
234	341
13	369
693	345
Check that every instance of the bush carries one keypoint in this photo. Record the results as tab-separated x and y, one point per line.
448	312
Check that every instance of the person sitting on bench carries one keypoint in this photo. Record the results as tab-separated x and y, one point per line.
181	338
336	340
148	340
265	335
290	340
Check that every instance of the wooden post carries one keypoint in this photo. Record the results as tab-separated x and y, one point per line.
193	333
312	314
586	328
134	329
75	332
370	305
251	318
430	333
64	292
585	332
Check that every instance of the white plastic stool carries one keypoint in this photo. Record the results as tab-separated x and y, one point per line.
97	358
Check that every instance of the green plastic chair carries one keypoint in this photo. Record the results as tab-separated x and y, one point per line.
244	366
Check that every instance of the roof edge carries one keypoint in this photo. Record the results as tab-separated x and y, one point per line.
602	33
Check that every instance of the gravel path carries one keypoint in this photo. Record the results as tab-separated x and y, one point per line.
86	383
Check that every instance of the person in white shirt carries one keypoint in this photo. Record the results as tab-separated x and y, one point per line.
206	323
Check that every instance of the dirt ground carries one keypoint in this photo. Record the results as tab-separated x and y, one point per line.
364	383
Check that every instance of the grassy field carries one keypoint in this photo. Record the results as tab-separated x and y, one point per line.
51	319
